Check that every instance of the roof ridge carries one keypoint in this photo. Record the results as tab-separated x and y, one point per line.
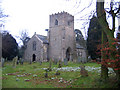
42	37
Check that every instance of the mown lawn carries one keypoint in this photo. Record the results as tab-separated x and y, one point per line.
33	76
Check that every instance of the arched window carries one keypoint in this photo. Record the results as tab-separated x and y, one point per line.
34	45
56	22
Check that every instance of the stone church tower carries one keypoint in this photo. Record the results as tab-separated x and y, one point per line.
61	36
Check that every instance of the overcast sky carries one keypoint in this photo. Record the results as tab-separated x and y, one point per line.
33	15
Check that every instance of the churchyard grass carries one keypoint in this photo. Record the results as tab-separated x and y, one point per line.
33	76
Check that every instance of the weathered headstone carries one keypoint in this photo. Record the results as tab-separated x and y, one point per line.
15	61
50	65
40	62
30	62
57	73
98	60
55	61
46	74
21	61
18	62
2	61
79	59
65	61
83	60
89	58
83	72
6	59
60	64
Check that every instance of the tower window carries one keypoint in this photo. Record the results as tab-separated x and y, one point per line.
56	22
34	46
69	23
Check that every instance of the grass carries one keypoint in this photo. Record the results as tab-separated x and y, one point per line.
32	76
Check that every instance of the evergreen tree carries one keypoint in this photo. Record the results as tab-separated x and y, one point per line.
94	38
9	46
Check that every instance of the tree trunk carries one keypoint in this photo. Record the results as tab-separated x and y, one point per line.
110	33
102	20
104	69
104	73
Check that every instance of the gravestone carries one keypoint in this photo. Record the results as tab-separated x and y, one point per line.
30	62
65	61
60	64
83	72
21	61
46	74
15	61
18	62
83	60
89	58
55	61
2	61
6	59
57	72
40	62
50	64
79	59
98	60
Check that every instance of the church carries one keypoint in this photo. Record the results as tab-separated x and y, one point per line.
60	42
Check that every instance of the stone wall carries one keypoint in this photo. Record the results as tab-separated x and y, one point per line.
61	36
40	52
81	55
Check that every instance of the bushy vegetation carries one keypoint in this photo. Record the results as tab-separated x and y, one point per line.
33	76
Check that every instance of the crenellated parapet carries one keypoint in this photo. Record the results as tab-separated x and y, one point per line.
62	13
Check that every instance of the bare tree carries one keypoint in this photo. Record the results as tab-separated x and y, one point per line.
24	37
2	21
83	14
2	17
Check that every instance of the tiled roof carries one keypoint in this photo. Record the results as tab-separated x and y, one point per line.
78	46
43	38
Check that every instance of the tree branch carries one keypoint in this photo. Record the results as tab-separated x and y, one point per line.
85	8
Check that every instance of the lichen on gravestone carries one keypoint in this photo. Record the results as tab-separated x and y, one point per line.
15	61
